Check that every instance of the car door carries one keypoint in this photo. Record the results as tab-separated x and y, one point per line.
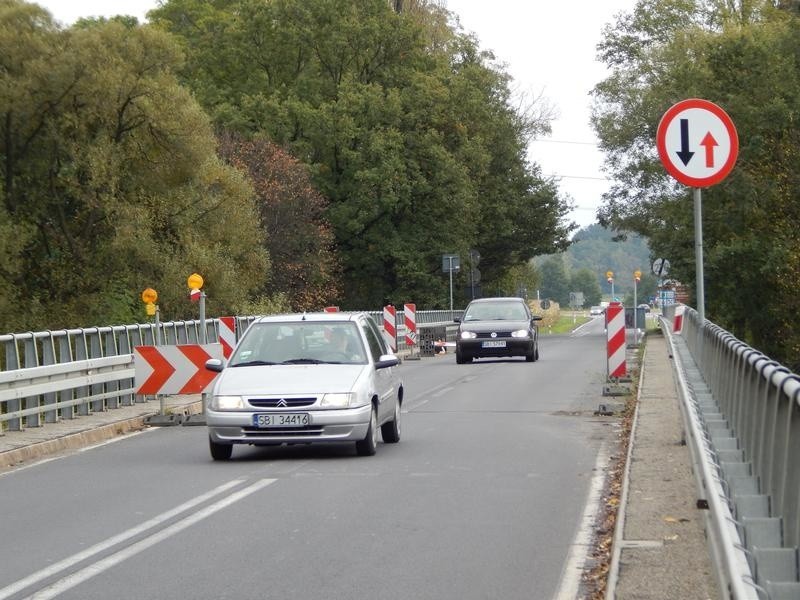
385	379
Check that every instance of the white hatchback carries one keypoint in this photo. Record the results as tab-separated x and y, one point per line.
306	378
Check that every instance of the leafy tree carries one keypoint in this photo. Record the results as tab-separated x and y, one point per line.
111	178
743	56
406	127
555	281
585	281
298	239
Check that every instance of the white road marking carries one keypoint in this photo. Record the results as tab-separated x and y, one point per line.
103	565
581	545
62	565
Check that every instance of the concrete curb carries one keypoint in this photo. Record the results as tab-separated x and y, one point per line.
81	439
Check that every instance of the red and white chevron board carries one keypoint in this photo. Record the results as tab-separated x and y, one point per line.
173	369
227	335
390	326
410	317
615	330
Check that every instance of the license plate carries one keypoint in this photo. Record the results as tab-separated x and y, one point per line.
494	344
263	421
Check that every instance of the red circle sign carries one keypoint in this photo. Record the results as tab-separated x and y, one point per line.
697	142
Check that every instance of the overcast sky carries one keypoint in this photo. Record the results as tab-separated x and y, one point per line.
549	48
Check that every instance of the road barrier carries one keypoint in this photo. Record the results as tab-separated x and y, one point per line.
743	419
615	332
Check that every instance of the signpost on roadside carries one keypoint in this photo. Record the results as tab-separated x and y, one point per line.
698	145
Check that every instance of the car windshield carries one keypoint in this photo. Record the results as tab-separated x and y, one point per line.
496	311
299	343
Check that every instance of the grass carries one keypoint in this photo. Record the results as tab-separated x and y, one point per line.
565	323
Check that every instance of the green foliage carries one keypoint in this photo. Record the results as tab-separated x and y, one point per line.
555	281
585	281
743	56
405	124
112	183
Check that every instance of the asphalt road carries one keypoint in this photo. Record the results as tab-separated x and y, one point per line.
482	499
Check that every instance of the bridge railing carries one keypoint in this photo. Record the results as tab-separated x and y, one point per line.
746	410
63	374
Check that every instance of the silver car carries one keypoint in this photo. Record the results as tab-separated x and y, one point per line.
306	378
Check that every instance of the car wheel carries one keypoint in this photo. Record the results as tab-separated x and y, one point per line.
536	352
390	432
461	359
220	451
369	444
530	356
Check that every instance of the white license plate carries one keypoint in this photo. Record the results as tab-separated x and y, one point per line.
494	344
263	421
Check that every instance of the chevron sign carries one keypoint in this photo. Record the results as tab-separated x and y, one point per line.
174	369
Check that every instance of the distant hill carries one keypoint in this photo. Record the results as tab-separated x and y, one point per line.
594	248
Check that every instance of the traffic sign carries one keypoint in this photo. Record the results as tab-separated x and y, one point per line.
173	369
661	267
697	142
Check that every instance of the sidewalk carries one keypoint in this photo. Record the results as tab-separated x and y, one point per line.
660	549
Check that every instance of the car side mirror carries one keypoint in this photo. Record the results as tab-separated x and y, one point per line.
386	361
214	364
457	319
536	318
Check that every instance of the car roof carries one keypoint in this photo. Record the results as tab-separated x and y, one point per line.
315	317
498	299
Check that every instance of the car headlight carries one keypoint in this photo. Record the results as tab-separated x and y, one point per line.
468	335
342	400
520	333
227	403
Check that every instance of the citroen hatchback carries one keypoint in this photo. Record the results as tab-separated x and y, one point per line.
306	378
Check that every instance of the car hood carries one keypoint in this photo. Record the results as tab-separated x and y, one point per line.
288	379
489	326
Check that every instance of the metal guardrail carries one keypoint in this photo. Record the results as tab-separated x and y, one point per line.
743	421
52	375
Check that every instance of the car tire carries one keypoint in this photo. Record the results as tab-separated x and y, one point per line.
220	451
461	359
531	355
369	444
390	431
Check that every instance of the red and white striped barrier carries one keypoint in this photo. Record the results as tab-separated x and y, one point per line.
410	316
615	331
173	369
227	335
677	321
390	326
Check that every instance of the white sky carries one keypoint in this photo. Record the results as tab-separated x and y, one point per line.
549	48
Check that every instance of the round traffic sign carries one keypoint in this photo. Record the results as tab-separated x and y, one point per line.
697	142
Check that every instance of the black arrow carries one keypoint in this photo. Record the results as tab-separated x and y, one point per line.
684	154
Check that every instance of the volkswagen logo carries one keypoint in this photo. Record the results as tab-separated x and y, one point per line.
494	334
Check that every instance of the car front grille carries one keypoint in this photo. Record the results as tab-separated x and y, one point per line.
311	430
281	402
499	335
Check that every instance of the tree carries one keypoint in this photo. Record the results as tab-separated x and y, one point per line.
585	281
298	239
112	179
406	128
742	56
555	281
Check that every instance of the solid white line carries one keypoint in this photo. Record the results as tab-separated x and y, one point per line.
61	565
70	581
581	545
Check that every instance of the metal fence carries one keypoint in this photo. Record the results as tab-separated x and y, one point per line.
52	375
742	411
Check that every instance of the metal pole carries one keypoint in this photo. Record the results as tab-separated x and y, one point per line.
450	260
635	307
203	333
698	255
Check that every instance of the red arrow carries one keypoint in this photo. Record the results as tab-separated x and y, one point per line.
162	370
709	142
200	380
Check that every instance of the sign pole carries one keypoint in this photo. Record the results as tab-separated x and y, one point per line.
698	254
451	285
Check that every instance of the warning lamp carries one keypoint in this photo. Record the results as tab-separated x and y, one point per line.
637	275
149	296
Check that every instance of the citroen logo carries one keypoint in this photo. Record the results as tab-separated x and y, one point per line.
494	334
282	403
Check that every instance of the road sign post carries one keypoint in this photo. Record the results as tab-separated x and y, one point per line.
698	145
